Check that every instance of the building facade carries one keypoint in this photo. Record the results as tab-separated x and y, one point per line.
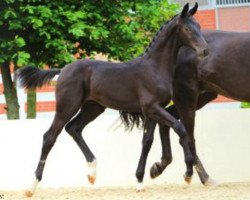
227	15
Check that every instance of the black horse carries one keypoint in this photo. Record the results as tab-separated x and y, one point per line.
225	71
140	85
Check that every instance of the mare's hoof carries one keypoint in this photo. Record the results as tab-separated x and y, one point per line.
155	170
91	179
187	179
28	193
210	182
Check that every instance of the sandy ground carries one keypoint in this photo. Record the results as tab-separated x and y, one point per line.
229	191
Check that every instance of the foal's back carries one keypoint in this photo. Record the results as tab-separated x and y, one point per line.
103	81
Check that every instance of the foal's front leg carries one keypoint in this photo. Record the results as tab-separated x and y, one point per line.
159	167
148	137
157	113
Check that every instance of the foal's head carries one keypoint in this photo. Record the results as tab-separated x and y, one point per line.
189	31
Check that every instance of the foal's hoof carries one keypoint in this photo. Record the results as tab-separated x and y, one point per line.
140	188
92	171
210	183
140	191
91	179
28	193
155	170
187	179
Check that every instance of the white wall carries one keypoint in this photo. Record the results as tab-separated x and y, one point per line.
222	137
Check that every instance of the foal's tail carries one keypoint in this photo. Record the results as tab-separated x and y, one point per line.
33	77
132	119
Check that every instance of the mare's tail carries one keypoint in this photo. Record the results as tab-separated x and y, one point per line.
33	77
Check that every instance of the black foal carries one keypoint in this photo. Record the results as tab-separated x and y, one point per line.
140	85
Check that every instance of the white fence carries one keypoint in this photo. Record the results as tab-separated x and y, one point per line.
222	138
22	99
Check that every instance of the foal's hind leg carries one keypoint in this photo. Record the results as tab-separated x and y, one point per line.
88	113
148	137
49	140
158	167
66	108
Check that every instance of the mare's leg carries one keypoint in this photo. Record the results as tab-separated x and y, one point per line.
203	99
89	112
66	108
148	137
186	109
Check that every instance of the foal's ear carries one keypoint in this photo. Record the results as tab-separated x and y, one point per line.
185	9
193	10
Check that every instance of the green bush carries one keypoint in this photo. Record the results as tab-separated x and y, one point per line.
245	105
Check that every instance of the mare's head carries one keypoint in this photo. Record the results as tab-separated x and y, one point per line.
188	31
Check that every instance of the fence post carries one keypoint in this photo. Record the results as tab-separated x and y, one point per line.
22	100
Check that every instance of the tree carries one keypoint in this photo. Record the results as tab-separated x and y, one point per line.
10	92
39	32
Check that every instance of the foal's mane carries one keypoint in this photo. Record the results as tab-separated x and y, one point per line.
158	33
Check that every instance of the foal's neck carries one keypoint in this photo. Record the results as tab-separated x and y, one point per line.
166	48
